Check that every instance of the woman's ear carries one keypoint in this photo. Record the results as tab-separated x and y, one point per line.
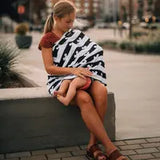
55	18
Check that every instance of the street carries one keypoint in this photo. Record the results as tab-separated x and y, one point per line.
134	79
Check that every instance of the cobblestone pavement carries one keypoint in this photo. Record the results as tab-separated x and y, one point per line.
134	149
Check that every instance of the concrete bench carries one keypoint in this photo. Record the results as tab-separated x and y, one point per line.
43	122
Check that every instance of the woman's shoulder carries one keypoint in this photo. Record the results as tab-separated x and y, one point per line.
48	40
49	35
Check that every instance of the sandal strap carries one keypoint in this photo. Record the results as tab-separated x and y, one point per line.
100	154
94	148
115	155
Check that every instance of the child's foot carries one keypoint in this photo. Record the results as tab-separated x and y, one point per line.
57	93
63	100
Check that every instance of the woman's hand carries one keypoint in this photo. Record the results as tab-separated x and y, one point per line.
82	72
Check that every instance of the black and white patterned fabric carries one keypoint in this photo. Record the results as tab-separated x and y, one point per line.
75	49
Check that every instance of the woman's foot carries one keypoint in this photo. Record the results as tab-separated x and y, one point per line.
94	152
116	155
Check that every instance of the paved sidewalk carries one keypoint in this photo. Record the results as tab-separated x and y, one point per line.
135	149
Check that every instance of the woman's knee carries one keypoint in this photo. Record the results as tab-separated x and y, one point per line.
99	93
83	97
104	91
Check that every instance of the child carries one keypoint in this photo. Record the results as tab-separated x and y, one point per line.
71	86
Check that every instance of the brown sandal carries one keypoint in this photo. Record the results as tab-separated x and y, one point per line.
115	155
92	150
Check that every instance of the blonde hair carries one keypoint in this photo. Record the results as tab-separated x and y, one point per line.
60	9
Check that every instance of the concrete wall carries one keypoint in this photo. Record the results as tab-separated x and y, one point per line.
41	123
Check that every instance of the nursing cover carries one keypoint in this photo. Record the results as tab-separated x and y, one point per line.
75	49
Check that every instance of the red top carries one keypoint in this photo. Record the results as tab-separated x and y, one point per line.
48	40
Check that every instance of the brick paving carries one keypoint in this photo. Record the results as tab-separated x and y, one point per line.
134	149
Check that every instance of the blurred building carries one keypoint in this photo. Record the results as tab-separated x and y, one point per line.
143	7
111	9
88	8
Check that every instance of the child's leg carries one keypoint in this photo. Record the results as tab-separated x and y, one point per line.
74	85
63	88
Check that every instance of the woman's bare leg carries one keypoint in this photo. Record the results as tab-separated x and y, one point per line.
97	89
92	119
74	85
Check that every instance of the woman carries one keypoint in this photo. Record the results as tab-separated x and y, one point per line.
92	102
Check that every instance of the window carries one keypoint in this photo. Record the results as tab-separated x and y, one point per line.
77	4
86	10
95	10
86	4
95	5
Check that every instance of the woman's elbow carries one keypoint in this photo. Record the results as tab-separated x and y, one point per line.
49	70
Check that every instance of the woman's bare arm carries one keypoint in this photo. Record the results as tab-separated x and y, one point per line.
49	65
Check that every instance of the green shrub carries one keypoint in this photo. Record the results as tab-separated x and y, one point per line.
22	28
139	47
123	45
153	47
108	44
8	60
149	47
137	34
126	45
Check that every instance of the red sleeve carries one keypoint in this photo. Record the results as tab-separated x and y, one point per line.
48	40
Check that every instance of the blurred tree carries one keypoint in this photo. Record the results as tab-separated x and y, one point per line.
37	7
130	18
150	6
124	14
140	9
156	8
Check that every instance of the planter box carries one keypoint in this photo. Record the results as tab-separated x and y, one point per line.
41	123
23	41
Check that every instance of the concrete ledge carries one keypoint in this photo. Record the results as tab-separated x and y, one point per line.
26	81
23	93
42	122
